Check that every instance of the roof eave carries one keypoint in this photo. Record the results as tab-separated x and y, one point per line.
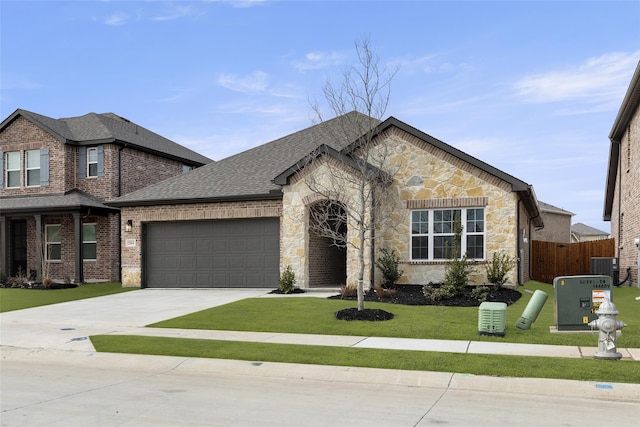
273	195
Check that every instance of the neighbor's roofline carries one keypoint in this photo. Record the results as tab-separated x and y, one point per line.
33	118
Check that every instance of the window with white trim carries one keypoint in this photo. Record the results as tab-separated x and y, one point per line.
32	168
89	242
433	233
53	242
12	169
92	161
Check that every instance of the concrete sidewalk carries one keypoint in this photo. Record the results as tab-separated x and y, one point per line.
60	333
447	346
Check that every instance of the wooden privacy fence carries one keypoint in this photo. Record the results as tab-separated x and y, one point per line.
551	259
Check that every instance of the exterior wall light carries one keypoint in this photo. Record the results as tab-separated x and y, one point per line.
128	226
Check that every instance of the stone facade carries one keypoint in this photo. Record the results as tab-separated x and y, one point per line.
424	177
131	246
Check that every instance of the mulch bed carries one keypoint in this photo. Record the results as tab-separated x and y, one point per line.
413	295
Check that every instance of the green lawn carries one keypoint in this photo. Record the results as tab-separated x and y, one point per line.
477	364
18	299
316	316
312	315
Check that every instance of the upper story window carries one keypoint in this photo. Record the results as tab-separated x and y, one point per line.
92	161
35	166
186	168
13	169
32	168
433	233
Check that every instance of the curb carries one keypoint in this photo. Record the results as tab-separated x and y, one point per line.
419	379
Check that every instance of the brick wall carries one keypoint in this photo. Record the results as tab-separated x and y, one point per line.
131	242
557	228
626	203
138	170
22	135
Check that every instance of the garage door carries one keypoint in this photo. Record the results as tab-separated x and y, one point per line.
220	253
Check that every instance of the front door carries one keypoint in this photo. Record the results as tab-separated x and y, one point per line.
18	251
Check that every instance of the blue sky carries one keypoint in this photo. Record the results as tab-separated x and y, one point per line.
531	88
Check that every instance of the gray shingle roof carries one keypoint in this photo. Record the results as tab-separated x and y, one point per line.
248	174
585	230
95	128
71	201
546	207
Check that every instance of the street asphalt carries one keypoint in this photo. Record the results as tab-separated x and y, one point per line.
60	333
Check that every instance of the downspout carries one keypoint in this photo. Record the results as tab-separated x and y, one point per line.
619	200
119	214
373	241
519	242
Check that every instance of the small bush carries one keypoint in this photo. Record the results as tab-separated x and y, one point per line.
437	293
348	291
481	293
384	292
287	282
498	268
388	265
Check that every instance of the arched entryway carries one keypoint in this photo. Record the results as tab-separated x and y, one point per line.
327	250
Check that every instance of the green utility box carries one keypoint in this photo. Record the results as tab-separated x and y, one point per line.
492	318
577	298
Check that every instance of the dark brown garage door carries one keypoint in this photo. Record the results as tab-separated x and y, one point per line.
204	254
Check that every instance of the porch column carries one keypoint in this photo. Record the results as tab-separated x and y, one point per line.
77	224
40	249
4	259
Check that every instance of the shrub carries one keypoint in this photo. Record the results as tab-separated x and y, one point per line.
388	265
287	282
445	291
384	292
481	293
348	291
457	274
498	268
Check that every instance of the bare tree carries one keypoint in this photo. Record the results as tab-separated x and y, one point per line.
353	175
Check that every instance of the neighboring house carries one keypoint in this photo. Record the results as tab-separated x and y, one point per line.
557	224
240	221
622	191
55	175
583	233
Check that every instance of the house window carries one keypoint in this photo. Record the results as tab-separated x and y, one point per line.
53	243
186	168
32	168
89	242
12	168
433	233
92	161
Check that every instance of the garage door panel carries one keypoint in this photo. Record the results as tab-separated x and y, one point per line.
217	253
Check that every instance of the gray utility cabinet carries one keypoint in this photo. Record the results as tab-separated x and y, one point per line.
606	267
577	298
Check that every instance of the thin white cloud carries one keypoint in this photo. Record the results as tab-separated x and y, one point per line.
598	80
251	83
116	19
318	60
175	12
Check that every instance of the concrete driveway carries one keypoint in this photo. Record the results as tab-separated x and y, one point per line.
67	326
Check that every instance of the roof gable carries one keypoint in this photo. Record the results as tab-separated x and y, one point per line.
249	174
